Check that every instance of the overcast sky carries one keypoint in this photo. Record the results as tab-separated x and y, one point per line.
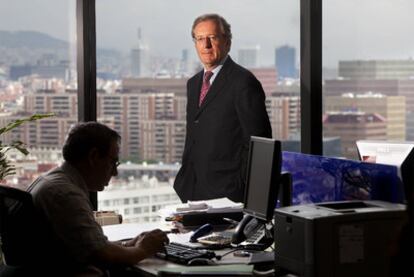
353	29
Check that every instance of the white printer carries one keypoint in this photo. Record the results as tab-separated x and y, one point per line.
335	239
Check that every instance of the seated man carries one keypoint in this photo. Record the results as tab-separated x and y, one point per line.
75	242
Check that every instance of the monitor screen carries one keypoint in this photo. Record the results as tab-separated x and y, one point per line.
384	152
263	174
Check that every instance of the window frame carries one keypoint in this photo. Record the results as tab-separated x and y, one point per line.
310	71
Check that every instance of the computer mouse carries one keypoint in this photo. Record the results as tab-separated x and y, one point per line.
200	261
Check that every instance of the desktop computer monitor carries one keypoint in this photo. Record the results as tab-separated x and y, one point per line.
384	152
263	175
394	153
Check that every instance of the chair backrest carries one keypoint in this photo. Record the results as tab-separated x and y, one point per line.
20	229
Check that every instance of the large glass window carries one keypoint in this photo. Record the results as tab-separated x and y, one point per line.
368	73
37	75
145	55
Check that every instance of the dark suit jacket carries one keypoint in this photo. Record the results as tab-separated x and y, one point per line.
218	134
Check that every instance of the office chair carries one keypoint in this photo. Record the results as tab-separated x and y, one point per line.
20	232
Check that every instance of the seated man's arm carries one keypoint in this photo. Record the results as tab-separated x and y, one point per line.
143	246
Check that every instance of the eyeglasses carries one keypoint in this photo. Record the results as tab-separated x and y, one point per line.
115	162
201	40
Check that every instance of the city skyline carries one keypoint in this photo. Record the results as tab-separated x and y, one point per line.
343	39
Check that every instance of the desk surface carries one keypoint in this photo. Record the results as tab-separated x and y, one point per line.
152	266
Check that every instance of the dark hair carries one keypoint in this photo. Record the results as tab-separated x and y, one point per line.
83	137
223	25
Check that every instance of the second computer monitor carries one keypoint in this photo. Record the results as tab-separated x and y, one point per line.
263	175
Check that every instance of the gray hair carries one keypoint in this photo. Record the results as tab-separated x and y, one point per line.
222	23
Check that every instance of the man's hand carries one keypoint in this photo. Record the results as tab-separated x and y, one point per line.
151	242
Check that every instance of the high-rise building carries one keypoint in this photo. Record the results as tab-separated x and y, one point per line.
376	69
140	66
284	115
132	112
248	56
353	126
392	108
148	113
48	132
267	77
389	87
286	62
162	140
135	108
185	68
140	190
139	62
410	126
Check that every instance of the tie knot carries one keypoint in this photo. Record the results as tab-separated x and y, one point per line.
207	76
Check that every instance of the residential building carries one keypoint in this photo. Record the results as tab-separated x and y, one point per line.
392	108
353	126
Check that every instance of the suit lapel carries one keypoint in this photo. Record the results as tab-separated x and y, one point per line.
217	85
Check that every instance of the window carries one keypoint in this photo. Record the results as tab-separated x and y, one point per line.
368	73
144	62
37	75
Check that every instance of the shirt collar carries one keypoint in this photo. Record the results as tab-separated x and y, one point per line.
75	176
217	69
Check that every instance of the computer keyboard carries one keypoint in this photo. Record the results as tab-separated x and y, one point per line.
183	254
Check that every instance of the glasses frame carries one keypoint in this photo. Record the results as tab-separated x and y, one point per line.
200	40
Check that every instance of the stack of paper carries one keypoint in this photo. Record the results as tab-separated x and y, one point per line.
220	205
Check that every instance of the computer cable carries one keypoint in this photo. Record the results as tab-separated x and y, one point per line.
269	272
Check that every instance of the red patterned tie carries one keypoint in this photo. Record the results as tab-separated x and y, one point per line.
205	86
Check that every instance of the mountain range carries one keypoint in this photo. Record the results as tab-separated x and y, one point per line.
39	40
30	39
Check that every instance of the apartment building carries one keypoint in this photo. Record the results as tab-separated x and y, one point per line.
392	108
376	69
353	126
284	115
140	190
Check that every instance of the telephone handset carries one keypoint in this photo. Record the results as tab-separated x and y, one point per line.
252	231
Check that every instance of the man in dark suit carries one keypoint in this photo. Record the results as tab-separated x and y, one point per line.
225	106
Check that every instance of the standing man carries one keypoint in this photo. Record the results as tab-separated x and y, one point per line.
74	242
225	106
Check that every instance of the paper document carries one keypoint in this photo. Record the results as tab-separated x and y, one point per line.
129	230
184	239
210	206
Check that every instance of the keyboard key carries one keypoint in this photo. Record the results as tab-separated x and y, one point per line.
183	254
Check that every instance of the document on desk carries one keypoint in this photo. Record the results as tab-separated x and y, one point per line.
217	270
220	205
183	238
130	230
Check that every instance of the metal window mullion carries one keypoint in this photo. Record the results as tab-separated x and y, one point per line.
311	76
86	65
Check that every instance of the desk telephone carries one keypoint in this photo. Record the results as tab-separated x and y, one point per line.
253	232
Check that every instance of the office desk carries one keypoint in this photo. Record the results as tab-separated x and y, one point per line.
229	263
152	266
